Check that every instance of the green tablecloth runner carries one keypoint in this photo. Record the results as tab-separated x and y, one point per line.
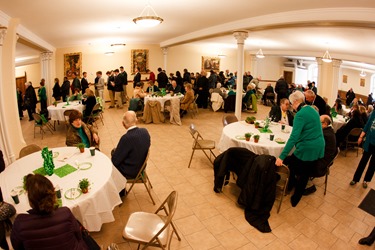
60	172
265	131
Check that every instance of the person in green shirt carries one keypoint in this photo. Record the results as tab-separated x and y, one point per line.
308	140
77	96
42	95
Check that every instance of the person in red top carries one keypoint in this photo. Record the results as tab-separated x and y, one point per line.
152	76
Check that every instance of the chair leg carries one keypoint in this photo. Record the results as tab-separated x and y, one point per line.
191	158
144	180
175	231
325	184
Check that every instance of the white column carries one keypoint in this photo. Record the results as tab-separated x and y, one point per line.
46	73
328	79
165	57
10	125
240	37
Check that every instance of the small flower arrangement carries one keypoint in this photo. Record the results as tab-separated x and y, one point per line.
247	136
81	147
84	185
250	119
256	138
54	103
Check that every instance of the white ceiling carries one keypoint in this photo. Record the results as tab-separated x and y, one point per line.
279	27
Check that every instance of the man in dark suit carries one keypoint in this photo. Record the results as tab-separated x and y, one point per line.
132	149
174	87
162	79
118	88
268	90
282	113
76	84
281	89
84	82
317	100
124	78
137	77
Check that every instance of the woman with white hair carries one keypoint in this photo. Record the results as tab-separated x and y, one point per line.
307	138
30	100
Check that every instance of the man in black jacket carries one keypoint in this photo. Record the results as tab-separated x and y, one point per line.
84	83
281	89
118	88
162	79
137	77
124	79
282	113
317	100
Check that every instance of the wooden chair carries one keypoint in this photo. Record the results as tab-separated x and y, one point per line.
66	116
96	114
153	229
227	119
281	184
349	141
142	177
41	124
200	144
29	149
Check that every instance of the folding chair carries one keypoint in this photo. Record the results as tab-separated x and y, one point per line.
352	139
95	115
200	144
228	119
29	149
66	116
153	229
281	184
142	177
41	124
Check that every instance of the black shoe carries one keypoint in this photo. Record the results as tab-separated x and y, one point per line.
309	190
294	200
123	193
366	241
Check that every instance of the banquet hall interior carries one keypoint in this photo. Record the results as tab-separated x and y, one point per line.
294	36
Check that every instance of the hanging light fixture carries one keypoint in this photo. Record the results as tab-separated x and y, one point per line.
148	17
109	53
327	57
362	74
259	54
221	55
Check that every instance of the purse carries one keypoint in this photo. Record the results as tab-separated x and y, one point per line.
90	242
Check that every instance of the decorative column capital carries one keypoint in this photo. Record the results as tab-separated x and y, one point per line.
3	32
46	56
241	36
336	63
164	50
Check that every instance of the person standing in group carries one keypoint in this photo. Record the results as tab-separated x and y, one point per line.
124	79
99	86
56	91
152	77
162	79
111	88
369	152
137	77
76	84
281	89
202	90
20	103
84	82
65	89
42	96
187	76
118	88
30	100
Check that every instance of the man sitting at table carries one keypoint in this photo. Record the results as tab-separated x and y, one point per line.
79	132
132	149
282	113
174	88
152	88
138	91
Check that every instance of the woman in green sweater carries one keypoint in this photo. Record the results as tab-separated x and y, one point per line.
42	95
307	138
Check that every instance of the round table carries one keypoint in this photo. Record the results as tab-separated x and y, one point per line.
233	136
162	99
91	209
57	113
338	122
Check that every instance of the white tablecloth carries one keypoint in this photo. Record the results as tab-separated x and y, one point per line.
57	113
264	146
163	99
91	209
338	122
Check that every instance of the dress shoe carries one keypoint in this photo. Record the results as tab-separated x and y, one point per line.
364	184
352	183
309	190
294	200
366	241
123	193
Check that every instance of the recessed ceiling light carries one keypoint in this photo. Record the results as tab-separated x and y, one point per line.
118	44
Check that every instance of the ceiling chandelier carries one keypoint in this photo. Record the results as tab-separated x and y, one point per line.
362	74
327	57
148	18
259	54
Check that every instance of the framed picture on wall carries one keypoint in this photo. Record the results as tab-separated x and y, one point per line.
344	78
362	82
139	58
72	63
211	63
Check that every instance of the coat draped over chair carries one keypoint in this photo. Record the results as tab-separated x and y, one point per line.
152	112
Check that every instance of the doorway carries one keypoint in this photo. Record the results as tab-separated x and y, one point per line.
20	83
288	76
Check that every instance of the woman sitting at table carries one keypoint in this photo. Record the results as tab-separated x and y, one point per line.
187	100
282	113
45	226
79	132
338	107
77	96
356	121
89	101
138	91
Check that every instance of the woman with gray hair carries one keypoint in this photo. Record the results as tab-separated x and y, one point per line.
307	138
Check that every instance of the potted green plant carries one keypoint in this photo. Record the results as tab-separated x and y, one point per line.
256	138
55	103
257	125
84	185
247	136
250	119
81	147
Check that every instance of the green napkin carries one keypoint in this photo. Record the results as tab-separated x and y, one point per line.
40	171
64	170
262	130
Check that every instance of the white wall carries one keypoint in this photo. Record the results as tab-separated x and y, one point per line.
33	73
354	81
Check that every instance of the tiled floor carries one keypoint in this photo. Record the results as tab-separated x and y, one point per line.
207	220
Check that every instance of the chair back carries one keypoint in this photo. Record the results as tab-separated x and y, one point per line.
169	206
66	116
29	149
37	118
139	175
95	108
355	132
194	133
228	119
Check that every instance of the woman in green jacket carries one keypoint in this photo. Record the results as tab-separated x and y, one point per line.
307	138
42	95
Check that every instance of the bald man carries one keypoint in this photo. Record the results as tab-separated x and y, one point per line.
132	149
317	100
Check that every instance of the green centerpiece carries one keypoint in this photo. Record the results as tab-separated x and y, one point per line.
48	161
